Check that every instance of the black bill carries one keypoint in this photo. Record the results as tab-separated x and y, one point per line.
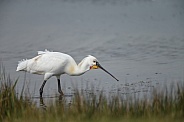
106	71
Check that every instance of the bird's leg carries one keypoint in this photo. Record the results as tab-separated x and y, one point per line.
41	88
59	87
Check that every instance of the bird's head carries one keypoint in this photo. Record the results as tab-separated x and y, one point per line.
94	64
92	61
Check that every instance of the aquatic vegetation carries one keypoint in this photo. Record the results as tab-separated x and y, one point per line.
10	102
167	105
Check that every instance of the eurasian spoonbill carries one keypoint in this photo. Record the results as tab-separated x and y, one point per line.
55	64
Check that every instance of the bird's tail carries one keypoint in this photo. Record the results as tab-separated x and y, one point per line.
22	65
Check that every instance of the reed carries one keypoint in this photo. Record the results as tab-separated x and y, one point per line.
10	103
167	105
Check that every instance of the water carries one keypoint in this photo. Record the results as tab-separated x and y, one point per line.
135	40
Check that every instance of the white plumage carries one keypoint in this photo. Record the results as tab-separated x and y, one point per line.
55	64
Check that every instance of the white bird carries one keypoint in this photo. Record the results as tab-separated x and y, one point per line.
55	64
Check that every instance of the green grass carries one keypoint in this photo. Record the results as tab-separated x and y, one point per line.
164	106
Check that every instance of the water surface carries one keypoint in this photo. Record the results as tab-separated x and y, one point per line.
136	40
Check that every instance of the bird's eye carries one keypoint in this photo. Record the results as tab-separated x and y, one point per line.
94	61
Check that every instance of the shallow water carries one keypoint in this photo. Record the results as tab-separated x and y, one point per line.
136	40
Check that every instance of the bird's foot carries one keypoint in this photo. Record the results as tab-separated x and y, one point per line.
61	92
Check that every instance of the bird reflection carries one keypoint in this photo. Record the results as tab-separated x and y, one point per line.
43	105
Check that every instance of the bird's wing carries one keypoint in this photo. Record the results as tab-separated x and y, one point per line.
47	62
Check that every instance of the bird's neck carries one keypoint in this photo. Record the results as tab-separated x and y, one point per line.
79	69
